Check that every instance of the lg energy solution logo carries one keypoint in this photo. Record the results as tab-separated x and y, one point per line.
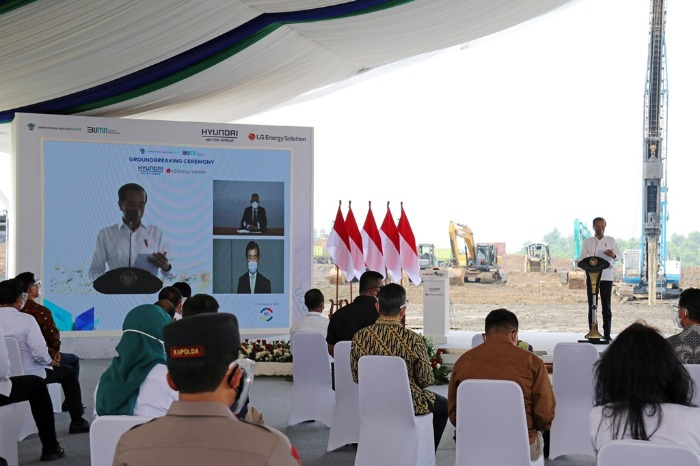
274	138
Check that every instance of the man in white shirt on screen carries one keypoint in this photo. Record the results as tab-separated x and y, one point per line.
314	321
130	243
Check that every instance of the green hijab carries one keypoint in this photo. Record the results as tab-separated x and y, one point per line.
139	350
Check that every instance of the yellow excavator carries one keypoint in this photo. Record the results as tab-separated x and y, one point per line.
472	262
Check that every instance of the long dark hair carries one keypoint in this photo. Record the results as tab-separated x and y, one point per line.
635	375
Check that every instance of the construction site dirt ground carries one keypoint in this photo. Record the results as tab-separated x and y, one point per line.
542	303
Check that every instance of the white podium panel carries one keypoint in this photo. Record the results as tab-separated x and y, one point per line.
436	304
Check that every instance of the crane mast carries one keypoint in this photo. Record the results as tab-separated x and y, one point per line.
653	171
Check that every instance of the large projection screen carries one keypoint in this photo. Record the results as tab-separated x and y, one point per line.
198	179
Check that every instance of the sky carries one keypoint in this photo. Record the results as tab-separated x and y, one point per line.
514	135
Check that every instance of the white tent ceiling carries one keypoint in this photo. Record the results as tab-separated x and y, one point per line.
217	60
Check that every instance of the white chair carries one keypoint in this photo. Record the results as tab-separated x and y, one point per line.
313	397
105	432
24	421
694	371
477	339
346	414
390	432
572	382
491	425
17	368
8	434
645	453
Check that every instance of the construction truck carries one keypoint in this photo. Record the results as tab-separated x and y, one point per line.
537	258
648	270
472	262
426	256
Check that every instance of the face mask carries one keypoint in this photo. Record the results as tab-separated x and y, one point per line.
677	319
255	205
252	266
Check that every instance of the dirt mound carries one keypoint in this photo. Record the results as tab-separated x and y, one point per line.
534	279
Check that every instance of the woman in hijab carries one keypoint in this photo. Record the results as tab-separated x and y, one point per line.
134	383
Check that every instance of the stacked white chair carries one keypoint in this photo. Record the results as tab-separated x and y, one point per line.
645	453
24	421
694	371
572	381
313	398
105	433
390	432
346	414
491	425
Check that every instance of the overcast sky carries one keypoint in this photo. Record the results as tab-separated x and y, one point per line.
515	134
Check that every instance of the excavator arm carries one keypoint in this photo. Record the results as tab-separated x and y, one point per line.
457	230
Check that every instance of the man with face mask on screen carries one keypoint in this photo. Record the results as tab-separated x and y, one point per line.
253	281
131	243
254	218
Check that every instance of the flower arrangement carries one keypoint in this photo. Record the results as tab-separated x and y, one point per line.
440	371
264	351
522	344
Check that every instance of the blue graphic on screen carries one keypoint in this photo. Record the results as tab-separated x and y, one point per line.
196	197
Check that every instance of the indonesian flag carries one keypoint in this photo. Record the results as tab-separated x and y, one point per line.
372	244
391	246
409	252
355	241
339	247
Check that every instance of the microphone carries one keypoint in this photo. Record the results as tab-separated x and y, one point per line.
131	232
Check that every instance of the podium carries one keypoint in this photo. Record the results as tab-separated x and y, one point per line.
127	280
593	266
436	304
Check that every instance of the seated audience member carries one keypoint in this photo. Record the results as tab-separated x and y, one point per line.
687	317
314	321
643	392
499	358
387	337
199	304
185	289
357	315
46	323
170	299
35	355
205	304
33	389
200	428
134	383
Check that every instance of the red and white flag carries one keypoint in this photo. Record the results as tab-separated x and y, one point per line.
372	244
339	247
355	241
409	252
391	246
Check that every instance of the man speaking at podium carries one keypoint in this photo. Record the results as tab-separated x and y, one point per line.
130	243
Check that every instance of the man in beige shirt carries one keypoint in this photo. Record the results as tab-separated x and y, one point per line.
200	428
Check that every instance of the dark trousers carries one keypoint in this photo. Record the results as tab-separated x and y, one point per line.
71	360
33	389
605	290
65	375
439	410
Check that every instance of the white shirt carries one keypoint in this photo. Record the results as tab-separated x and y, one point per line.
32	346
112	247
5	382
680	426
596	247
312	322
155	395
